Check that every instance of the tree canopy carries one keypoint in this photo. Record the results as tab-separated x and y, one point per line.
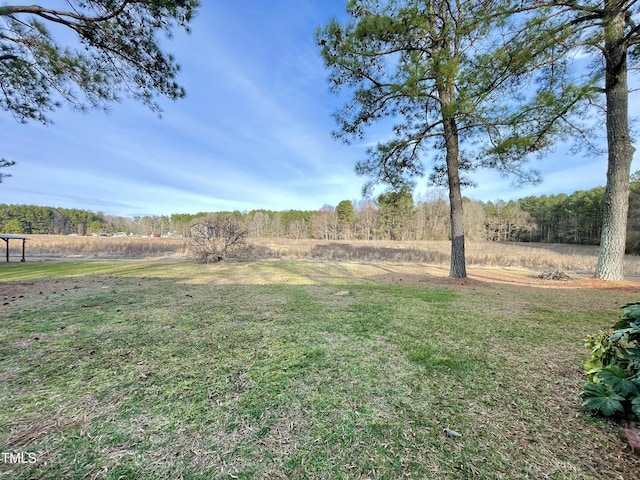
115	51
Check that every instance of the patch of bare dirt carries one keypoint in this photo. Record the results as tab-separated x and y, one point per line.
14	292
438	275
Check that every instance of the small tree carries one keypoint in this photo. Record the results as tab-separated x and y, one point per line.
218	239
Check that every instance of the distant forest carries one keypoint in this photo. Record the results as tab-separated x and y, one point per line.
562	218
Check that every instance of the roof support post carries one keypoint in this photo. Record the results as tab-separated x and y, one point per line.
7	237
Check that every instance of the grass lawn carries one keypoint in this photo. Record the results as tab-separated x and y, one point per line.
150	370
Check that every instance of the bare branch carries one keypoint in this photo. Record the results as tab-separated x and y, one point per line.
63	17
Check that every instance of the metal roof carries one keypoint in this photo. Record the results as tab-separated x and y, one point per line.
7	236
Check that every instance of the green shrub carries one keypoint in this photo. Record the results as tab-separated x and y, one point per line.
613	370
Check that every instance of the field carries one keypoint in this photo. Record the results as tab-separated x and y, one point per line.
577	259
294	366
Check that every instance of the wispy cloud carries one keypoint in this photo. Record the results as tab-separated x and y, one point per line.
253	131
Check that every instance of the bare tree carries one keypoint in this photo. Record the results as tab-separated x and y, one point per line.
259	224
276	227
326	223
298	229
366	219
474	220
432	216
217	239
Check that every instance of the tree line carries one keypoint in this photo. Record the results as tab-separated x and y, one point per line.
395	216
25	219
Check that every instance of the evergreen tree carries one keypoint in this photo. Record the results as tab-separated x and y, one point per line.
440	68
346	218
346	212
118	53
608	28
396	214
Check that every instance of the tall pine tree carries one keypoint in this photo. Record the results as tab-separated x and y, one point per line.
441	70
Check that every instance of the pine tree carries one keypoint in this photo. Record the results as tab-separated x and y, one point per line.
442	71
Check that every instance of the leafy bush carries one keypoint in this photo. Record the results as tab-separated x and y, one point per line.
613	370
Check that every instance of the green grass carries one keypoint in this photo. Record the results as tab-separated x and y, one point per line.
141	370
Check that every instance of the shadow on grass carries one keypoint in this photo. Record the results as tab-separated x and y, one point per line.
367	253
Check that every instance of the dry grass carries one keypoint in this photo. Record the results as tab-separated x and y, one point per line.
536	256
43	246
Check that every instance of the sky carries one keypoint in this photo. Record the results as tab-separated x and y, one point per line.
254	131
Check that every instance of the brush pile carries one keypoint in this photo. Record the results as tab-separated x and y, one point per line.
554	275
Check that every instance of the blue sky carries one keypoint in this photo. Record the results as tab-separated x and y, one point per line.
253	132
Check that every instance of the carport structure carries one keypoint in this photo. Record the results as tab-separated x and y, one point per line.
6	237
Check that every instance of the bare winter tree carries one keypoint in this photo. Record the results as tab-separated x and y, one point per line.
217	239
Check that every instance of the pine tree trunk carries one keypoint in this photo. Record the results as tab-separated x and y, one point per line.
620	151
458	263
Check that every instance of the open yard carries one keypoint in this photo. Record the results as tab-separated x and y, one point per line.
154	369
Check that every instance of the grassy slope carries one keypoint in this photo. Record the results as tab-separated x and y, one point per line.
296	370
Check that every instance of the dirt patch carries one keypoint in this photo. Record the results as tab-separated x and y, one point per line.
15	292
438	275
521	286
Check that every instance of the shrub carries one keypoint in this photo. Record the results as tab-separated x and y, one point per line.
220	238
613	370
